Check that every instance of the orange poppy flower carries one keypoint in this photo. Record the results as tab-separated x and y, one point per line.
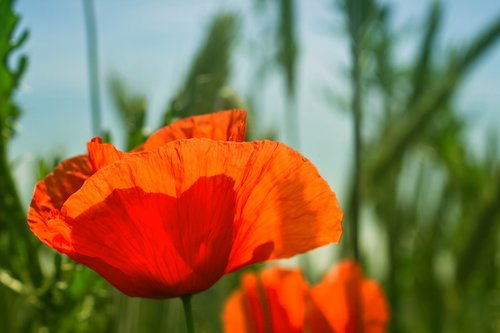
171	221
67	178
279	300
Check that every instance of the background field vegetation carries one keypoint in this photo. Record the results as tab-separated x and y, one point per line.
430	197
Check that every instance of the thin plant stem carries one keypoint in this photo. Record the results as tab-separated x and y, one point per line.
188	312
292	124
357	126
356	181
288	60
93	65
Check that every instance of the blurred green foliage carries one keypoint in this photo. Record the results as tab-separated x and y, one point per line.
131	110
16	276
435	202
209	72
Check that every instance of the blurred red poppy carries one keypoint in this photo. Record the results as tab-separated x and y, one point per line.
279	300
272	301
348	302
171	219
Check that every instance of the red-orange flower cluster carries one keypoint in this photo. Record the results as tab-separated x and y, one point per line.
190	205
279	300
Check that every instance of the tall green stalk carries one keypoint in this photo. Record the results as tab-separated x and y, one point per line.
287	59
357	125
93	65
358	16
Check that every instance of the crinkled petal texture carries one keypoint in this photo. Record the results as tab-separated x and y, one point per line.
51	192
346	300
272	301
102	154
225	125
49	196
172	221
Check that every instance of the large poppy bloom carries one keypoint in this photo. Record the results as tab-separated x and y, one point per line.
68	177
171	219
279	300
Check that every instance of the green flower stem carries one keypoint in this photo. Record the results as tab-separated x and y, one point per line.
188	312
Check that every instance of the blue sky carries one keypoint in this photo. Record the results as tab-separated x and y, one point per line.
150	43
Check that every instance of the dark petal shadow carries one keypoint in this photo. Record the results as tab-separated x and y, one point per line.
157	246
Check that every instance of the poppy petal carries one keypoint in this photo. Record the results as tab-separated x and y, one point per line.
239	203
156	245
285	290
284	206
224	125
235	314
49	196
335	298
375	308
272	301
357	301
315	320
102	154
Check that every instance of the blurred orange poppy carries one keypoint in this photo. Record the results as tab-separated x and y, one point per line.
271	301
279	300
348	302
171	219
